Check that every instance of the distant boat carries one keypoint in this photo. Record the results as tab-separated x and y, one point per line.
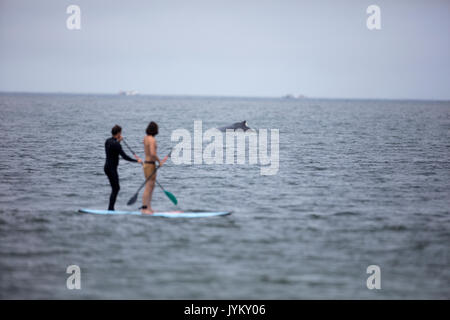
291	96
128	93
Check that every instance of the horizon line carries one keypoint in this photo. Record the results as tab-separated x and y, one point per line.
294	98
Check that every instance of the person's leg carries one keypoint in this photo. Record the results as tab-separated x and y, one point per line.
145	199
146	196
151	187
114	182
114	193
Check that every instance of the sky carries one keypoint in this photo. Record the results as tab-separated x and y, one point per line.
256	48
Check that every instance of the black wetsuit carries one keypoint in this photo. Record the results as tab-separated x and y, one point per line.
113	149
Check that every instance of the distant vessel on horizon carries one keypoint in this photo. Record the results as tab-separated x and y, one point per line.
128	93
291	96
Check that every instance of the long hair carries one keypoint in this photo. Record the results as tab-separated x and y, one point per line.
152	129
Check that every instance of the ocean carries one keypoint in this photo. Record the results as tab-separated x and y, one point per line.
360	183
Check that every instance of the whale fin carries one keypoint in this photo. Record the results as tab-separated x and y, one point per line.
237	125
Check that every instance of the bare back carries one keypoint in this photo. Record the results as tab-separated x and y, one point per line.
150	147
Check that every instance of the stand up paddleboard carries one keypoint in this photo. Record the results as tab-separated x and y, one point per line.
169	214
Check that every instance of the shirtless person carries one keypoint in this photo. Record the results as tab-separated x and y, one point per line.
151	158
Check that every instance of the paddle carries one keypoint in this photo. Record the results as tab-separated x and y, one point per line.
128	146
134	197
167	193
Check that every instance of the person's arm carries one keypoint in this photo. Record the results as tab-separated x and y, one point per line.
124	155
163	161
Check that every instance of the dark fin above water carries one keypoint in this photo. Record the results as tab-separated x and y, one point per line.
237	125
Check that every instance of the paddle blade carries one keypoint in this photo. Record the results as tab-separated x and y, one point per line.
171	197
132	200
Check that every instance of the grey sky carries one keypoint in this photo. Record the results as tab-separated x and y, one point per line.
243	48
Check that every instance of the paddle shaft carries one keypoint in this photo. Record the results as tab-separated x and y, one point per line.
128	147
150	176
146	180
134	197
160	185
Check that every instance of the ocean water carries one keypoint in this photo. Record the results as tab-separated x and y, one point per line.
360	182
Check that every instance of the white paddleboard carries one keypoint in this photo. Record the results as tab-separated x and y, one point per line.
169	214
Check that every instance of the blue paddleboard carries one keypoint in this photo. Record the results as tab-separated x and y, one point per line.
170	214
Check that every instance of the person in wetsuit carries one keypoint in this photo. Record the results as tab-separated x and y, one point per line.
113	149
